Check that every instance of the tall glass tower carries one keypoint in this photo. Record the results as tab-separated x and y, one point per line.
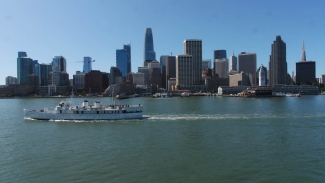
149	53
278	63
87	64
24	67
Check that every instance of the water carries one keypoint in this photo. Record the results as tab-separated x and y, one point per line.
197	139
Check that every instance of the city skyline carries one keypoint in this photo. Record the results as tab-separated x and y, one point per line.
42	39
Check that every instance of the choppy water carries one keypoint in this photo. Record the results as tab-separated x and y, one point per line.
197	139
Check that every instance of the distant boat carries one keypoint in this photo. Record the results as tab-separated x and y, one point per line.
161	95
122	96
185	94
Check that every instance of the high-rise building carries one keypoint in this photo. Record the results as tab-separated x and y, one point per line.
170	68
11	80
24	67
221	67
87	67
163	60
206	63
44	71
94	83
184	71
123	59
59	75
247	64
194	47
79	80
154	73
114	72
305	70
323	79
149	53
218	54
233	62
262	76
138	78
35	68
278	63
145	71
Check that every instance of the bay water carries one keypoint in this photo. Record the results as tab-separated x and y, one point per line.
195	139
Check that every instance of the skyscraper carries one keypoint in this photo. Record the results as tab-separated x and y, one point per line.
233	62
262	76
163	60
122	61
59	75
278	63
221	67
247	64
305	70
170	68
128	48
206	64
24	67
149	53
184	71
194	47
44	70
87	67
218	54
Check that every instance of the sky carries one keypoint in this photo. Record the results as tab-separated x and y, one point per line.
96	28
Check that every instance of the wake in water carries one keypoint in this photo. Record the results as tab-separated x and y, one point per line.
193	117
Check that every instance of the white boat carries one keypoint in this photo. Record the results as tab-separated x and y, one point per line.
185	94
161	95
65	111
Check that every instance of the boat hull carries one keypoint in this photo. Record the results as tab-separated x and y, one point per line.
57	116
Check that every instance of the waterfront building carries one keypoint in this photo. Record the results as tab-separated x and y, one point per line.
240	79
305	70
10	80
24	67
233	62
221	68
278	63
94	82
262	76
123	59
114	72
44	71
163	60
87	64
193	47
154	74
145	71
302	89
184	71
227	90
247	64
79	80
170	69
32	82
206	63
149	53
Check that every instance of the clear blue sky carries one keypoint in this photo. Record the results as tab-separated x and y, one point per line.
96	28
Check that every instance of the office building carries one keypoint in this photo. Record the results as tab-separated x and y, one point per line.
44	71
10	80
138	78
114	73
206	63
79	80
94	82
184	71
163	60
247	64
218	54
170	68
221	68
240	79
262	76
193	47
59	76
233	62
278	63
154	74
87	64
149	53
305	70
24	67
123	60
145	71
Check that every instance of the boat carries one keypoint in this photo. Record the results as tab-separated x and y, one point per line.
65	111
161	95
122	96
185	94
